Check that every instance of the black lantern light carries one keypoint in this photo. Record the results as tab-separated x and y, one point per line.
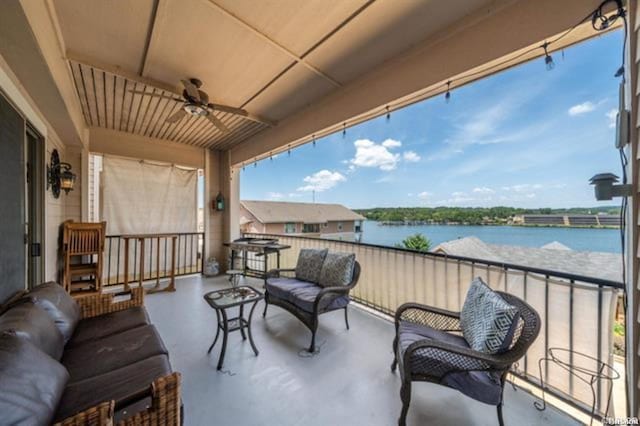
219	202
59	175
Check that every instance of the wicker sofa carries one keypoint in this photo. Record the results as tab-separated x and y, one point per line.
94	360
310	289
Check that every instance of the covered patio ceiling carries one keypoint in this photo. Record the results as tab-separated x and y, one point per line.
299	68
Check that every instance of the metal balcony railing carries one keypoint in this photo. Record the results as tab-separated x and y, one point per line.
577	312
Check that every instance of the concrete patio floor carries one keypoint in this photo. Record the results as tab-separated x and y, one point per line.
347	383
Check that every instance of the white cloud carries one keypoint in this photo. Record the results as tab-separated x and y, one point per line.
294	195
456	198
410	156
521	188
371	154
582	108
275	195
611	115
483	190
322	181
391	143
424	195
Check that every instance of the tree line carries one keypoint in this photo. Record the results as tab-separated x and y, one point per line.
470	215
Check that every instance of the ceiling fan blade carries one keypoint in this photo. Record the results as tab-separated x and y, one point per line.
176	116
225	108
191	89
216	122
156	95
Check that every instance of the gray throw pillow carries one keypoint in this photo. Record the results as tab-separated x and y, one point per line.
60	306
487	320
310	264
32	323
337	269
31	383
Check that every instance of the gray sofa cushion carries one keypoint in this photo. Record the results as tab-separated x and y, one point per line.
303	294
479	385
108	324
30	322
310	264
96	357
337	269
60	306
31	383
487	320
117	385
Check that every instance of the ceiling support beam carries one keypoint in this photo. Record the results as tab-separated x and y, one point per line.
275	44
150	37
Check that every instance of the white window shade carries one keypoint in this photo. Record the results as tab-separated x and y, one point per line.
146	198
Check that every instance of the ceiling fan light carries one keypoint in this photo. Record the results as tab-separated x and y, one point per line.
195	109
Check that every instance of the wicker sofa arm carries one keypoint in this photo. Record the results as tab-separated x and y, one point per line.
100	415
277	273
437	359
103	303
329	293
439	319
164	409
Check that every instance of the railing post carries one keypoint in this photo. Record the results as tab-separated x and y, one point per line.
126	263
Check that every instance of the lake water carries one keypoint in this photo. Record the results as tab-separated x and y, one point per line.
583	239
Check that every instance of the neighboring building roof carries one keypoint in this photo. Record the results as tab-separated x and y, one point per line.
282	212
553	257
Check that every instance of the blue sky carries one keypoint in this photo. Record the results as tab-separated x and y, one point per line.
526	137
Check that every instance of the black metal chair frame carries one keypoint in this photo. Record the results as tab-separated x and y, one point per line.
320	306
458	359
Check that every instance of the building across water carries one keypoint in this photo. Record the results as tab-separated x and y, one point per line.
590	220
311	219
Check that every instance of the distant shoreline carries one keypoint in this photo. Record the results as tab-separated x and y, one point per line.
519	225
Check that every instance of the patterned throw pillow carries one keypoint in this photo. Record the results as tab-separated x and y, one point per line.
337	269
487	320
310	264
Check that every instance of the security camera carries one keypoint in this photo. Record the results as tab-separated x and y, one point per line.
605	188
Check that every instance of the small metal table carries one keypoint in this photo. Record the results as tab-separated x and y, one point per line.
220	301
585	368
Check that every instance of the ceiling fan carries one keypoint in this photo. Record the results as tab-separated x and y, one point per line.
196	102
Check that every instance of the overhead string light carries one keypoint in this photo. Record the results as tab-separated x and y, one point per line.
243	167
255	164
388	113
447	96
344	130
270	156
314	141
548	60
289	150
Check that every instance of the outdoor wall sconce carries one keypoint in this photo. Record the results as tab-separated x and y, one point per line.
605	187
218	203
59	175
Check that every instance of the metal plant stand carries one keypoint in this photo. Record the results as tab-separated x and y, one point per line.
221	300
575	362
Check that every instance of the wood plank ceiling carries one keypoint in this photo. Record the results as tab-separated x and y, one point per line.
107	102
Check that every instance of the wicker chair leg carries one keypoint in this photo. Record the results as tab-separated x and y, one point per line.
312	348
346	317
405	396
264	313
500	419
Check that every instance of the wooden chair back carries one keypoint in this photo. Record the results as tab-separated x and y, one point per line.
83	238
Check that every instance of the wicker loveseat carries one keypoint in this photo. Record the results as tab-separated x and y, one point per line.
94	360
320	283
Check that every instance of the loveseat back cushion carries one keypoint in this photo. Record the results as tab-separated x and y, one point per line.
337	269
30	322
487	320
309	264
60	306
95	328
31	383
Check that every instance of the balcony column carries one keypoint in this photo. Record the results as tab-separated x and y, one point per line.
220	177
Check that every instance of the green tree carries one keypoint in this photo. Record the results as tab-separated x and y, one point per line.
416	242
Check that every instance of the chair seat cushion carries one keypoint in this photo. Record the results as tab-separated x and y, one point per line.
480	385
60	306
95	357
30	322
31	383
303	294
109	324
120	385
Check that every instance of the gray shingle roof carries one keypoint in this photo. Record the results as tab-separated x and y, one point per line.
601	265
281	212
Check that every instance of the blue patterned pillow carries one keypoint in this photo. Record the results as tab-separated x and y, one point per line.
337	269
487	320
310	264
